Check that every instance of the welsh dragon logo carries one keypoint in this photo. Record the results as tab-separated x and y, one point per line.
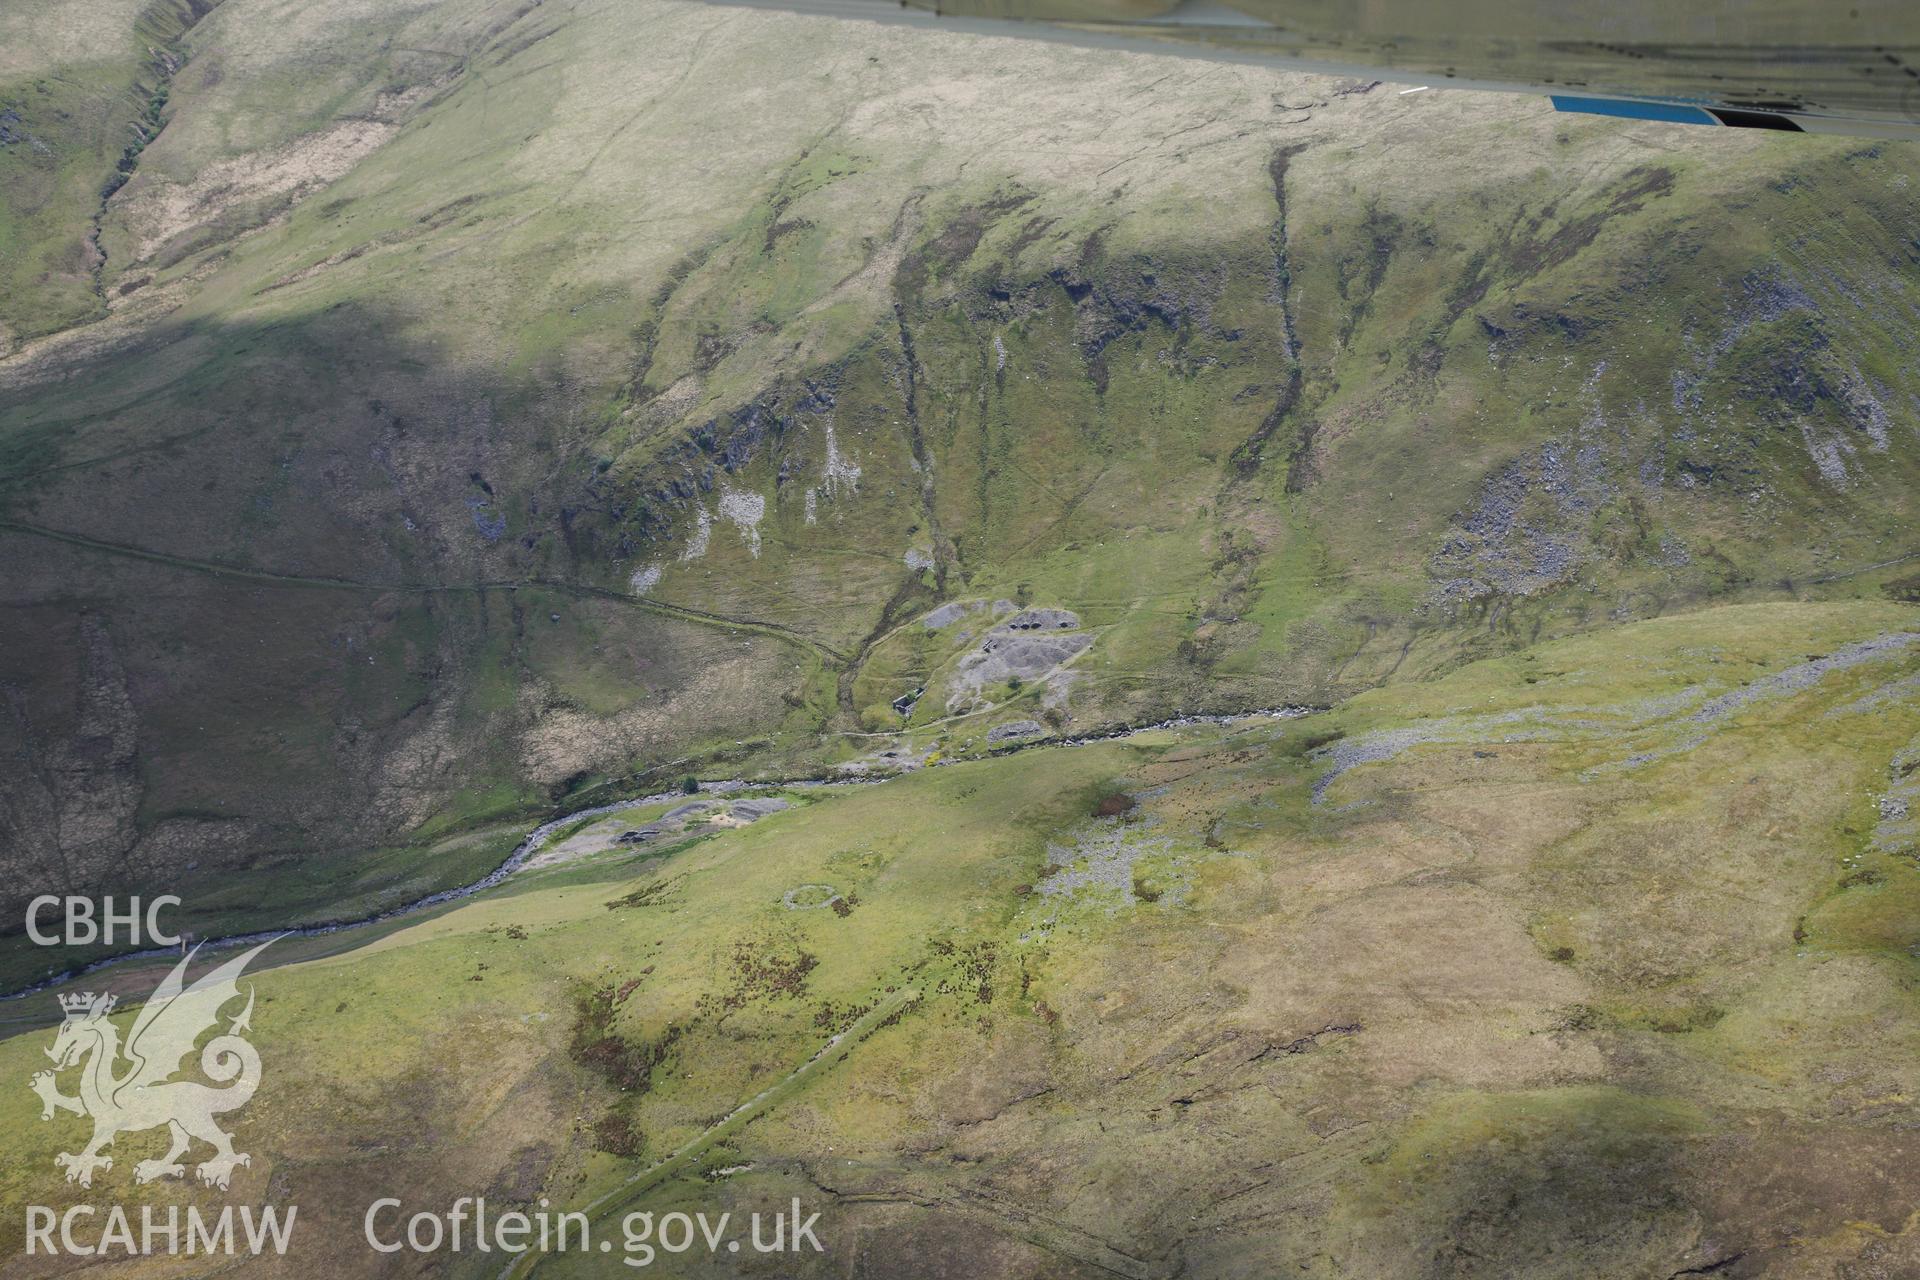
140	1095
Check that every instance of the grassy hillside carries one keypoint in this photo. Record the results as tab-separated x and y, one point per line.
1592	959
499	407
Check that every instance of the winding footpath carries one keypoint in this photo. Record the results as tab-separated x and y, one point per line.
220	569
644	1180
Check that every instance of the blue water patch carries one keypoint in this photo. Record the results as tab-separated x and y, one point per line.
1628	109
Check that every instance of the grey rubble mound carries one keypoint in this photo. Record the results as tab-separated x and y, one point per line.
1014	729
949	613
884	761
675	821
1026	646
754	810
1041	620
